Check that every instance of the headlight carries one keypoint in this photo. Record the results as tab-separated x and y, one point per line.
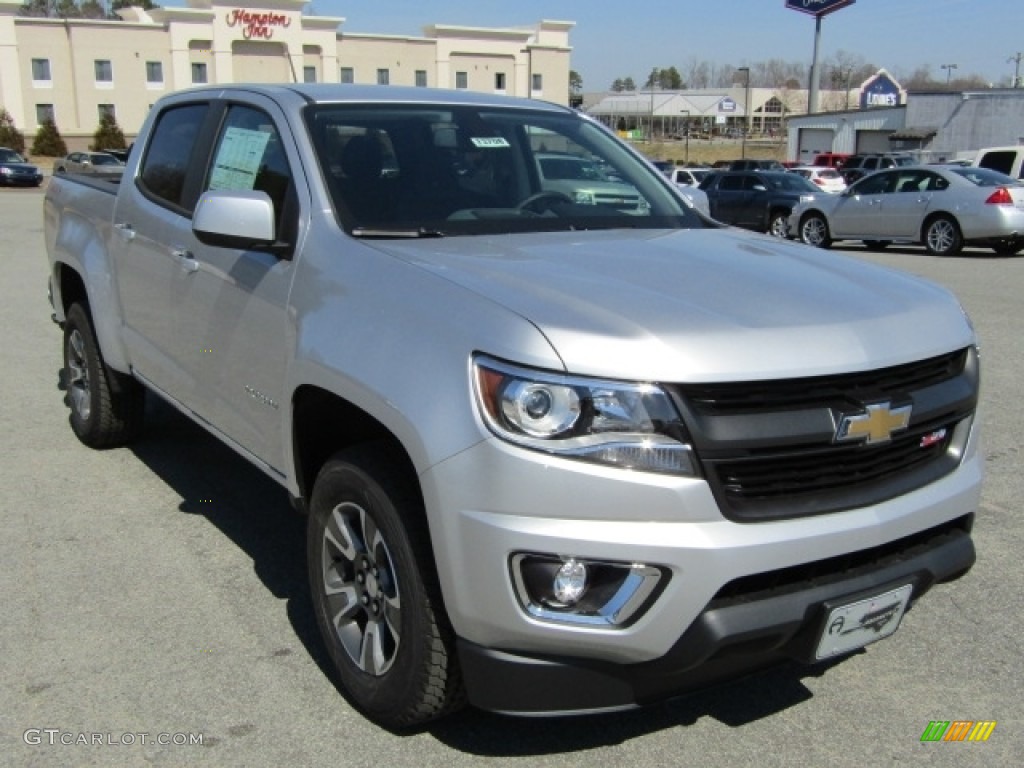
583	197
629	425
6	171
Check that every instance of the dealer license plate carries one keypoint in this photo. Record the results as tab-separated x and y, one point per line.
856	624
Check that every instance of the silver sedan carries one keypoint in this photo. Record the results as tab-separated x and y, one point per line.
941	207
91	163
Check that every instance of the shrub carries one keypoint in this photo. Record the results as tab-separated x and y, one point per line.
10	136
108	135
48	141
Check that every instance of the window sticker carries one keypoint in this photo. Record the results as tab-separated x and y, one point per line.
238	159
489	142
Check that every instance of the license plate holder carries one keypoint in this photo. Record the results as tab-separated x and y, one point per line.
853	625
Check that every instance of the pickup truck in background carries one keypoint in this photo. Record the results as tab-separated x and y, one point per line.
557	455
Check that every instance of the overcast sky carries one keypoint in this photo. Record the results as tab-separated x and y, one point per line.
620	39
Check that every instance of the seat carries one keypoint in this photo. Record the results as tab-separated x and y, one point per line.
363	186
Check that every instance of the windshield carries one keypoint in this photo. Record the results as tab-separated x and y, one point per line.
10	156
396	170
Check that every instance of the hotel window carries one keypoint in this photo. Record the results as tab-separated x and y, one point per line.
421	78
154	73
461	80
499	81
106	110
41	70
104	71
199	72
537	82
44	112
383	77
348	75
309	74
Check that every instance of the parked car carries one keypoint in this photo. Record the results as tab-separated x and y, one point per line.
581	180
689	177
858	166
1008	160
15	170
826	179
758	200
90	163
942	207
830	159
756	165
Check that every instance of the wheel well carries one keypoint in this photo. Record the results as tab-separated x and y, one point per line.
72	287
939	215
322	425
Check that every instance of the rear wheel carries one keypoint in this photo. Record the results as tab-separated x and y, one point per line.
375	594
778	224
942	236
814	231
106	406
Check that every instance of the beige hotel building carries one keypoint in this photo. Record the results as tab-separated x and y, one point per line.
74	70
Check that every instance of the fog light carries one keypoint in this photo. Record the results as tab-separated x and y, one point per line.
570	582
571	590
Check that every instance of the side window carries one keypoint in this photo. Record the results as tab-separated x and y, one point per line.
730	183
998	161
878	184
249	155
166	161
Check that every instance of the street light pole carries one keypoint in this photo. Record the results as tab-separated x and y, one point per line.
746	110
949	70
687	133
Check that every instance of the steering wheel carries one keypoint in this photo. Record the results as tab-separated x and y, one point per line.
546	196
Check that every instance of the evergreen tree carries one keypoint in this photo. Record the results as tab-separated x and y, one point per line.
108	135
48	141
10	136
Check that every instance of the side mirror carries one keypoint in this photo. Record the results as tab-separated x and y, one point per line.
234	218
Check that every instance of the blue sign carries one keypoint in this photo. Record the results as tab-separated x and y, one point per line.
880	91
727	105
818	7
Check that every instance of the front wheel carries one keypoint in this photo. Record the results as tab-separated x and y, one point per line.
814	231
942	236
375	594
106	406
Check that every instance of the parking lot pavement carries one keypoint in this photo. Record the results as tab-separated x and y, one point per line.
155	597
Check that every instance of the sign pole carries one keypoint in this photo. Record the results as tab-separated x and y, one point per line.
812	97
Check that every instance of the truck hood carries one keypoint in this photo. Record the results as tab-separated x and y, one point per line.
699	305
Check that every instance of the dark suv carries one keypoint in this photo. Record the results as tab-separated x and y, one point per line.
758	200
858	166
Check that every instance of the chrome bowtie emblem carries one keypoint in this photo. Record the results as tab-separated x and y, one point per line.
875	425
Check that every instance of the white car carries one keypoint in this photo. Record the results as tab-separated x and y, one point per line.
688	177
827	179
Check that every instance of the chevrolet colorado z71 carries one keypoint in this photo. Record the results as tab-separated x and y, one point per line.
559	453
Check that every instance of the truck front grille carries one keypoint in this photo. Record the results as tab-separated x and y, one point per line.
769	452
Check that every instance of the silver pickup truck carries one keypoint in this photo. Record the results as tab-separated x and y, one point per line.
558	453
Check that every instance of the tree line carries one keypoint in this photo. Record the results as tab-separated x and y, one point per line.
841	71
80	9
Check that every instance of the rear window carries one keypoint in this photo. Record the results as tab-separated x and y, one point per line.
1001	161
984	177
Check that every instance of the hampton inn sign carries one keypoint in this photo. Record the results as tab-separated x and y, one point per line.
257	26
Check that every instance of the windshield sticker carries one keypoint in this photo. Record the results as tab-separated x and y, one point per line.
238	159
489	142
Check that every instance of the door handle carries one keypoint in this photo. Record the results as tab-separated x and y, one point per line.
186	258
126	231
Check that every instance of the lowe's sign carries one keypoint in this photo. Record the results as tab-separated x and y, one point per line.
818	7
880	91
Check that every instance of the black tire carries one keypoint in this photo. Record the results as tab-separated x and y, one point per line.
778	224
942	236
375	591
106	406
876	245
814	231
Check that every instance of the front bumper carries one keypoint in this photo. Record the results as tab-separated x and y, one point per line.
723	609
731	636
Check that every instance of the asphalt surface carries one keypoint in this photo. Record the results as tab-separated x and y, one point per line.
158	594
